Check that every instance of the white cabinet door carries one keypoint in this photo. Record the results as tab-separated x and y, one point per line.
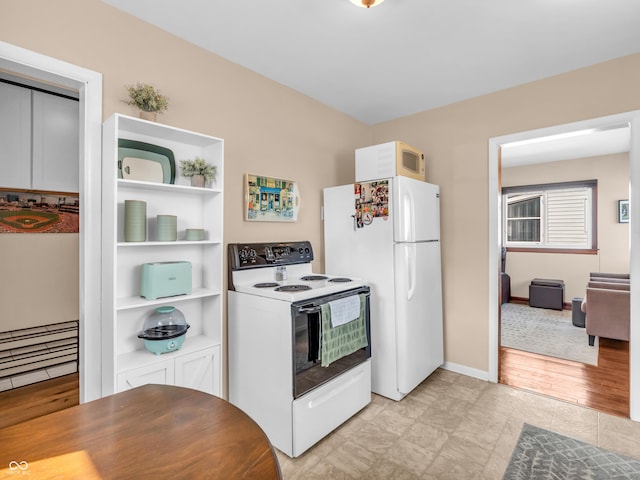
56	147
198	370
161	372
15	136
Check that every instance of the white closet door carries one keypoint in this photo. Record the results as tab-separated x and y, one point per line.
15	136
56	146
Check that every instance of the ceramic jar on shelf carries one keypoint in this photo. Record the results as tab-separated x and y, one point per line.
135	221
167	228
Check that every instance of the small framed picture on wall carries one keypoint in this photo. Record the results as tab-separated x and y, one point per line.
623	211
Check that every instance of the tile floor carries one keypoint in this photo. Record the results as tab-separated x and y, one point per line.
450	427
35	376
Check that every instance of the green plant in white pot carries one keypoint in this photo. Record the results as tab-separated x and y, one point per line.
148	99
198	170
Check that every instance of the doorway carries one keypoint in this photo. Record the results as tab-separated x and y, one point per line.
560	223
39	213
495	234
45	69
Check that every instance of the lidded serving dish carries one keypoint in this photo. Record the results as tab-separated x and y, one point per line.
164	330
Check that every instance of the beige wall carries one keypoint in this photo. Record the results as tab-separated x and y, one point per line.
612	173
269	129
455	141
39	279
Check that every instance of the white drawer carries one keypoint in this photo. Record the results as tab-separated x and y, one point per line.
324	409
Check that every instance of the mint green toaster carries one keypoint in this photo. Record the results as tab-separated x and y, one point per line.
165	279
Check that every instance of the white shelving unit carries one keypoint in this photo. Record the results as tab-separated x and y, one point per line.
125	361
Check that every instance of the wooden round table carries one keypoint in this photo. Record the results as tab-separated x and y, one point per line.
153	431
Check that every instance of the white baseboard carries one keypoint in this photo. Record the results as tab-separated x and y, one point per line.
468	371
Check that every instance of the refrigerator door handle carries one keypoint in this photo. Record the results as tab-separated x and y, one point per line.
408	219
410	258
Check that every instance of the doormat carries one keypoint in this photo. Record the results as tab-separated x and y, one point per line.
544	455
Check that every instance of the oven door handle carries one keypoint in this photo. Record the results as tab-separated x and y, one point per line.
309	309
316	307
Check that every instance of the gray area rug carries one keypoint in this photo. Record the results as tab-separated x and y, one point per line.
544	455
546	332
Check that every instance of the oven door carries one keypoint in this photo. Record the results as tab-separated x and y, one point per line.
307	317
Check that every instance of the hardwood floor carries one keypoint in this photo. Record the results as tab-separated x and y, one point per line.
604	387
25	403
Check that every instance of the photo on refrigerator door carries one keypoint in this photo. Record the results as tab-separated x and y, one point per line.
371	200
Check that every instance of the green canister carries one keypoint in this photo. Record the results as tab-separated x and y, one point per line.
135	221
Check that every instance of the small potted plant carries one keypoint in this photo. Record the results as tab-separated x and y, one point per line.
198	170
148	99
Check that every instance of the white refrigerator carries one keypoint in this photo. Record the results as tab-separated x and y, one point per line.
388	233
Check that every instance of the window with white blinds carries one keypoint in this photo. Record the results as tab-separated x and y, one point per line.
568	214
559	215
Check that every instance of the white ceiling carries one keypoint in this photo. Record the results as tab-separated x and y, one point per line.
403	56
579	144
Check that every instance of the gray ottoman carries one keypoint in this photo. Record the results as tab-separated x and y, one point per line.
546	293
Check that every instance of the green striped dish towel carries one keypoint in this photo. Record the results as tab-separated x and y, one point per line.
343	340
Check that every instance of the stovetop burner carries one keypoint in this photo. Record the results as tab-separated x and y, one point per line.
293	288
266	285
309	278
340	280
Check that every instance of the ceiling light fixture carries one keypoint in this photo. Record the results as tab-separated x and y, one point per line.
367	3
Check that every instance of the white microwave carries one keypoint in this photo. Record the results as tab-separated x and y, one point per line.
389	160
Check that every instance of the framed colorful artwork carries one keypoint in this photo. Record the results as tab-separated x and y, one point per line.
270	199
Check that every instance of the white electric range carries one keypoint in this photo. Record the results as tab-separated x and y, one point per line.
275	333
301	283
